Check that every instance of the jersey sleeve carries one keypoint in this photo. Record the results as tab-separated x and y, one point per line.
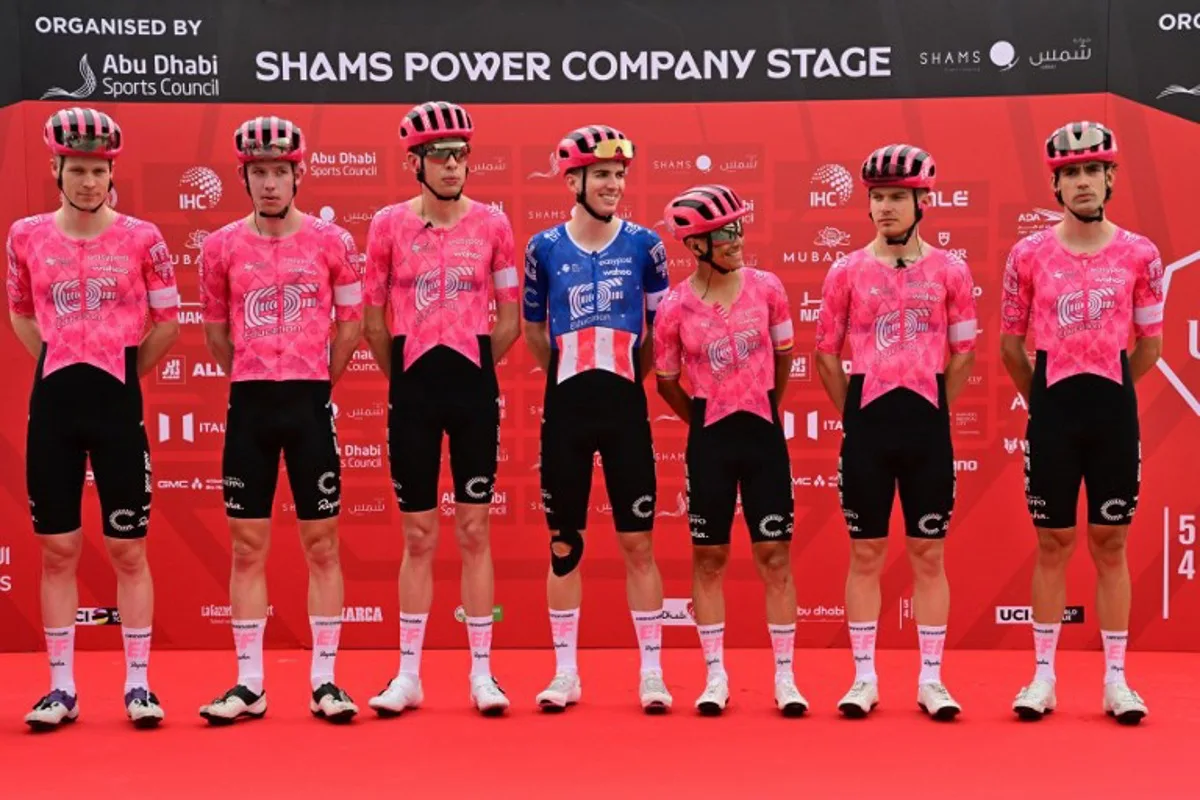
536	283
162	294
20	295
668	347
779	317
1018	293
505	282
655	279
834	318
214	280
961	324
1148	295
346	276
379	259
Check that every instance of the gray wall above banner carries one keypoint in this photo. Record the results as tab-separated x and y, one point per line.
535	51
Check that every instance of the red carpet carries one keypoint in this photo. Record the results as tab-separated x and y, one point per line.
606	746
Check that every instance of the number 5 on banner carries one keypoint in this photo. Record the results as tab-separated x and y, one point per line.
1186	566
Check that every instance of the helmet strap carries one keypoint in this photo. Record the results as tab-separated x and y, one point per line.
918	215
1096	217
581	198
706	256
445	198
278	214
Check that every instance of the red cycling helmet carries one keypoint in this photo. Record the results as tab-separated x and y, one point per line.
592	143
428	122
903	165
269	139
83	132
702	209
1078	142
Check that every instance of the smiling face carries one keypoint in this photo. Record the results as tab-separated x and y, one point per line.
605	185
727	246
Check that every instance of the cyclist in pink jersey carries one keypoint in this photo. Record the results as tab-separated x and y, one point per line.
270	284
81	283
430	262
903	305
1083	287
730	326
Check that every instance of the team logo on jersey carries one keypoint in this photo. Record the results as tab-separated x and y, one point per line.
723	353
1082	310
68	299
433	291
587	299
891	329
273	305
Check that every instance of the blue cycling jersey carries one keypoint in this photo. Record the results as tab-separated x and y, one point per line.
612	288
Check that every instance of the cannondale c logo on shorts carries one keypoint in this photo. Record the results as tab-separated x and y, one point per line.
473	491
923	524
1114	503
766	529
326	483
643	507
117	525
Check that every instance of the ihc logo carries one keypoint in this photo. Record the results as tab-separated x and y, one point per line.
1180	362
835	186
206	189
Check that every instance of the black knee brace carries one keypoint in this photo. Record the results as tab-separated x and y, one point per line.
565	565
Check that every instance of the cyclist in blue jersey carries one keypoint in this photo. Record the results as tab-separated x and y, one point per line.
591	287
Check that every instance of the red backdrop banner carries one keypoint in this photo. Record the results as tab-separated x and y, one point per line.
794	162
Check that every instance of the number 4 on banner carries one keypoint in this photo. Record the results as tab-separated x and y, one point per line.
1185	530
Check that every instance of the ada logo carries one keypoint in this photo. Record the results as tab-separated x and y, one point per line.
1023	615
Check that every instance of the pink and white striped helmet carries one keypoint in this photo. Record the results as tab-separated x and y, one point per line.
269	139
82	132
903	165
591	144
1078	142
701	209
428	122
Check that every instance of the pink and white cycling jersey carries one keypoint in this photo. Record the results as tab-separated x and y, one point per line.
279	296
436	279
90	296
1083	305
729	356
899	321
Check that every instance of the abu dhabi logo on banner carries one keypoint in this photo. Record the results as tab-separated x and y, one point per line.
161	76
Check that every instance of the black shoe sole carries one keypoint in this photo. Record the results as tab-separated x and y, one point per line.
223	722
943	714
710	710
46	727
852	711
793	710
1128	718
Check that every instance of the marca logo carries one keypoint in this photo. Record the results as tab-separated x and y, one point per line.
362	614
204	189
1023	615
